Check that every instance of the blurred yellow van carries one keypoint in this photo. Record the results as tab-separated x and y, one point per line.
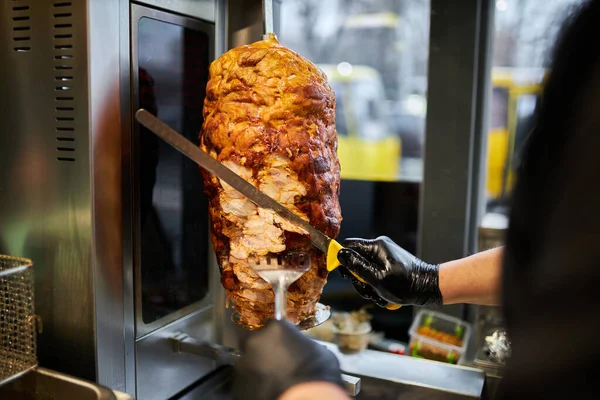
367	149
515	94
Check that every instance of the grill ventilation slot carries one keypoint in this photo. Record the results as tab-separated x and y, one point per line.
21	26
64	80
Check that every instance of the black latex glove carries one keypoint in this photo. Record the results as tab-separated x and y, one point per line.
365	290
278	357
392	274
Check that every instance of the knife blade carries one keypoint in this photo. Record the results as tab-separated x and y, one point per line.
327	245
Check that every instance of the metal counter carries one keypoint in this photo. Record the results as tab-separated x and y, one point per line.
408	374
383	376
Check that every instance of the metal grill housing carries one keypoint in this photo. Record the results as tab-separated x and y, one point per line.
17	318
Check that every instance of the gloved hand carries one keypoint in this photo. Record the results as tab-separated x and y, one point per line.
391	273
278	357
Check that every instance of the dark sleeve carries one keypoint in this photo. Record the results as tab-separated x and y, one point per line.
552	264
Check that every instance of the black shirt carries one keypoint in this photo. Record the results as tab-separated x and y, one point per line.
551	285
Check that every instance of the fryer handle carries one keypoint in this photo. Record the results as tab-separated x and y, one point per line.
223	355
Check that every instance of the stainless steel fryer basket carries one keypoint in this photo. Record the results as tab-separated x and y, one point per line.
17	318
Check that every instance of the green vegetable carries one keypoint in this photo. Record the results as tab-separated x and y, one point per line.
428	321
415	350
414	354
458	330
451	357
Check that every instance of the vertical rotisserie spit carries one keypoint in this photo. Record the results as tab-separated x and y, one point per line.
269	116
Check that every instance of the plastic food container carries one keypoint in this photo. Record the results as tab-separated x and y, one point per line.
439	337
352	331
352	341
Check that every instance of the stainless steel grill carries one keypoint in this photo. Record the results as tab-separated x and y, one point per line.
17	319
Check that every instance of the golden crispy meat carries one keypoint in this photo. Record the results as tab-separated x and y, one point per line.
269	116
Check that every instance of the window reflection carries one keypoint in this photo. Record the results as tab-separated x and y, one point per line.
525	33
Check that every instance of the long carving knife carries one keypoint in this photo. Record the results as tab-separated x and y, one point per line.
321	241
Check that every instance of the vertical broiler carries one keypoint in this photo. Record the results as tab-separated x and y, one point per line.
114	220
127	284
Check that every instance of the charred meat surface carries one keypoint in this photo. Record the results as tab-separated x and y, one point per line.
269	116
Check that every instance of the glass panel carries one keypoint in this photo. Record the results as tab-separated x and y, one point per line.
375	54
525	33
173	63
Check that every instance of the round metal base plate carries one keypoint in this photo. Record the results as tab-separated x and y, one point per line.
321	315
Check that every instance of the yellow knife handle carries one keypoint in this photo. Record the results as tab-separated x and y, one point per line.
332	255
333	263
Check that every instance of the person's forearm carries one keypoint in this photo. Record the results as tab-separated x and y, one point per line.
474	280
314	390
